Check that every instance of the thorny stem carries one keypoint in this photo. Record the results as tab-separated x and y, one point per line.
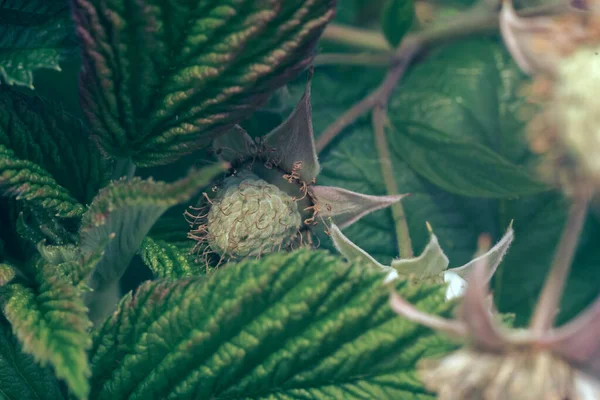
546	309
355	37
478	20
402	233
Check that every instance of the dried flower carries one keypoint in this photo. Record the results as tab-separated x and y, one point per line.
270	200
562	53
431	265
519	364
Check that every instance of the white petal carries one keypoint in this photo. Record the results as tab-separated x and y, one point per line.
456	285
587	387
391	276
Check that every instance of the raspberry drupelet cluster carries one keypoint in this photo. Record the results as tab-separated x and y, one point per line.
270	201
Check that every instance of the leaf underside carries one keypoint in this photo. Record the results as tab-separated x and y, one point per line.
288	326
127	209
162	78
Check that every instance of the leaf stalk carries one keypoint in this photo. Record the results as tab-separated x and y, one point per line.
385	163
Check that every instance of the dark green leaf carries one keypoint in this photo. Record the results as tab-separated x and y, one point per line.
288	326
33	34
51	322
166	260
28	182
352	164
455	121
120	217
20	377
539	222
162	78
41	132
396	19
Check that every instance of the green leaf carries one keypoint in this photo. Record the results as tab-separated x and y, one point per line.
34	34
51	322
28	182
288	326
43	133
166	260
162	78
538	224
7	273
20	377
120	217
454	121
396	19
352	163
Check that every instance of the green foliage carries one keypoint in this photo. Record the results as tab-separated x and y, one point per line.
396	19
351	162
538	225
166	260
50	320
33	34
121	216
20	377
30	183
7	273
189	70
293	325
456	122
43	133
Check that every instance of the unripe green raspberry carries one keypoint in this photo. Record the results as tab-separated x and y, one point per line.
575	107
250	217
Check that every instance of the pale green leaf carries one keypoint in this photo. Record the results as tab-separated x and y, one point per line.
164	77
51	322
120	217
166	260
288	326
20	377
34	34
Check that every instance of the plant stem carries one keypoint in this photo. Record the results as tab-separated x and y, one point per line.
546	309
364	59
355	37
402	233
409	49
124	167
477	20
